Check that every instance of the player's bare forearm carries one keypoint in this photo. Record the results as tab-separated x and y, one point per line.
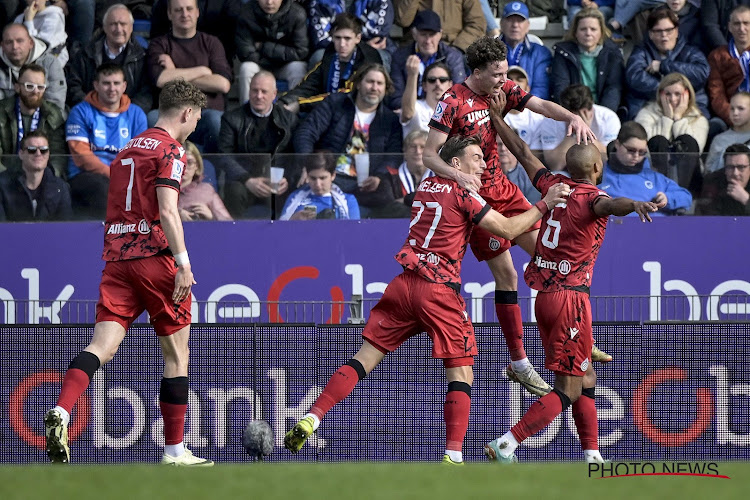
549	109
171	222
431	157
621	207
509	227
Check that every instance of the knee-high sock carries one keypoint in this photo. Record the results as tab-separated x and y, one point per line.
509	316
456	414
584	415
339	386
540	414
173	399
77	379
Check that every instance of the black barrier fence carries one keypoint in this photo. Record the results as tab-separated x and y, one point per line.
675	391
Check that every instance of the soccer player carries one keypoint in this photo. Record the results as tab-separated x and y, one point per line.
464	110
146	267
426	296
561	270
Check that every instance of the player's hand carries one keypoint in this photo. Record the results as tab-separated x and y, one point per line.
737	192
660	199
557	194
644	209
468	181
370	184
183	280
583	132
259	187
497	106
201	211
412	65
587	115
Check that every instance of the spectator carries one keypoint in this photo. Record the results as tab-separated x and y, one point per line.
358	123
412	171
462	20
271	34
493	29
516	175
116	45
376	17
663	53
532	56
320	198
586	55
35	194
27	111
198	200
739	132
628	173
80	16
726	191
526	122
425	51
690	22
607	7
334	73
46	22
18	49
716	17
625	11
727	75
97	129
263	131
197	57
416	113
676	130
602	121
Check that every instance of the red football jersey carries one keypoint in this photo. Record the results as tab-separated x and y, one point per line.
569	239
462	112
132	228
443	214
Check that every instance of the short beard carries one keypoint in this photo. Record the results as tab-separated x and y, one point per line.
31	102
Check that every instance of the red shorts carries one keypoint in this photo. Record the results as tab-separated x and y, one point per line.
506	198
564	320
129	287
411	305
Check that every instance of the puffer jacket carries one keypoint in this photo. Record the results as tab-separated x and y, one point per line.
283	35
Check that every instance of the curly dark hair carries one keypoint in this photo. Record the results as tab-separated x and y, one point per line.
456	145
484	51
178	94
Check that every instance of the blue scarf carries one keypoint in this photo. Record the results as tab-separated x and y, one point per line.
514	55
423	64
335	76
744	60
33	125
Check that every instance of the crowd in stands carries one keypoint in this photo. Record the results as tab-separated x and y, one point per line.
338	94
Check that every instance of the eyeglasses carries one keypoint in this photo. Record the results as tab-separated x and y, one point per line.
634	151
30	87
33	149
667	31
739	168
442	79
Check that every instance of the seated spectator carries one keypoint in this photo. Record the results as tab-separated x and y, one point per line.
663	53
196	57
34	193
27	111
18	49
412	171
515	172
263	129
628	173
320	198
554	137
357	123
425	51
727	75
586	55
738	133
416	113
115	45
625	11
376	17
676	129
726	191
97	129
532	56
526	123
198	200
339	65
716	17
462	20
690	22
46	22
272	35
607	7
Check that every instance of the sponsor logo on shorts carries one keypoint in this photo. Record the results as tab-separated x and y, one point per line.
563	267
585	365
494	244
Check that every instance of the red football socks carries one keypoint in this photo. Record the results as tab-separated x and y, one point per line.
456	414
174	422
539	415
337	389
584	414
74	384
509	317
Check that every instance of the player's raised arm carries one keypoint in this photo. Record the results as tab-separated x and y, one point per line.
431	159
172	226
512	141
576	125
621	207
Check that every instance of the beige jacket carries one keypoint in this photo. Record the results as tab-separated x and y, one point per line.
655	123
462	20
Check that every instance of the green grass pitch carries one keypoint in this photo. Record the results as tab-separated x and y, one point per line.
355	481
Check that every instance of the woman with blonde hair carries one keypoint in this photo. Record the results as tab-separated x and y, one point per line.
676	128
198	200
588	56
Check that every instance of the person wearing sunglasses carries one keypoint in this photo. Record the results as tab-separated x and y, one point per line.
416	112
34	194
628	174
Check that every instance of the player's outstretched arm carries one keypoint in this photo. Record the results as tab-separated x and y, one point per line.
511	227
431	159
172	226
512	141
576	125
623	206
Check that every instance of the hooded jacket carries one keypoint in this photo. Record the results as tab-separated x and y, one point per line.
56	84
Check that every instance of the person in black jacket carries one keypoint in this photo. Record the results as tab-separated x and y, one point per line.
34	194
715	16
587	55
727	191
115	45
261	131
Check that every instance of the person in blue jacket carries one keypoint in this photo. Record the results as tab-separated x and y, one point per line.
628	173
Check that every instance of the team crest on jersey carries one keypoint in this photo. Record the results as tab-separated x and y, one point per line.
470	102
124	132
439	110
177	168
494	244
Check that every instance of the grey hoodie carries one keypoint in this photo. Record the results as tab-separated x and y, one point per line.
56	85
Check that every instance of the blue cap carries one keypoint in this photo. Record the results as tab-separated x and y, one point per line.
516	9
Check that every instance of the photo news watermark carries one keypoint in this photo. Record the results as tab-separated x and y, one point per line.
631	469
